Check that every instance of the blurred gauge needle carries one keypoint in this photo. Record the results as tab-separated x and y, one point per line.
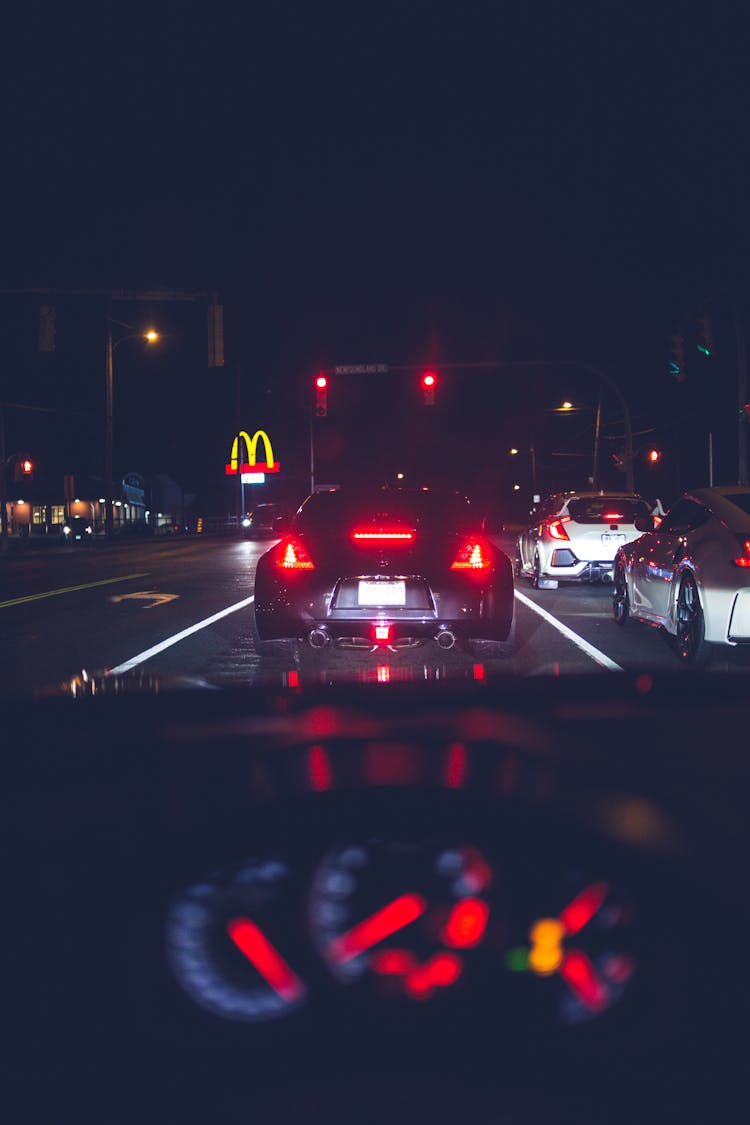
578	972
380	925
268	961
584	906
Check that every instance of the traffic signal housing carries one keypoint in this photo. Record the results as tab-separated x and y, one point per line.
705	336
676	364
23	469
653	456
321	396
429	382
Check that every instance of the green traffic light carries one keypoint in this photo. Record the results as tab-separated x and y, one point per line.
704	350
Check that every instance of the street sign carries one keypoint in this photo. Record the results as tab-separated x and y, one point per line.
253	478
361	369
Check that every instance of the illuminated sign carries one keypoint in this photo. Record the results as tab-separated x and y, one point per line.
251	465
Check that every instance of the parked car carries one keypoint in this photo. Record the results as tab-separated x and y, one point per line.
691	575
393	569
575	537
77	529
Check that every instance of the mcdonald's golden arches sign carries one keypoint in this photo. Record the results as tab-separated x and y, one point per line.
251	465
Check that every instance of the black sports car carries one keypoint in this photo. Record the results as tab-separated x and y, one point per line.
387	568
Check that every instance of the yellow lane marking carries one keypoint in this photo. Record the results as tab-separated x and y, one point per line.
70	589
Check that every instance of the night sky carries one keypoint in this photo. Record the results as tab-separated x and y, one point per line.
403	183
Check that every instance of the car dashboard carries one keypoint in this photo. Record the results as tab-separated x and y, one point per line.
507	902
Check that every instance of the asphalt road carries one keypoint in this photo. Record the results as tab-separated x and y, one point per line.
182	608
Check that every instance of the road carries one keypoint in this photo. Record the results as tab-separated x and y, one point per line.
182	608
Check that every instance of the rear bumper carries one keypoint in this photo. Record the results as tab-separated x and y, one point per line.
581	571
292	609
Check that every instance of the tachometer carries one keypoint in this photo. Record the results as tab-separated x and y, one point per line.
402	916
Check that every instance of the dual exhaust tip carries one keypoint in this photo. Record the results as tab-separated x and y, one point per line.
319	638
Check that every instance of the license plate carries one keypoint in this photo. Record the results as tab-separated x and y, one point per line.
607	538
382	593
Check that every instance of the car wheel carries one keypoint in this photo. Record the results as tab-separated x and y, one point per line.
690	637
494	650
537	581
620	596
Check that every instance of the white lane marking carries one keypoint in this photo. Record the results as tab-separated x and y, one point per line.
595	653
177	637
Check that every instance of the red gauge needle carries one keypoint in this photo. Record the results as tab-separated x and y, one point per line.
380	925
581	977
268	961
584	906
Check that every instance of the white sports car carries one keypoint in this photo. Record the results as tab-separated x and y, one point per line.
692	574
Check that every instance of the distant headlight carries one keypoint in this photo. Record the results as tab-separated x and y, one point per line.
246	522
88	530
66	530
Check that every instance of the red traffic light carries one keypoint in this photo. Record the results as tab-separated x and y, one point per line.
429	382
321	395
27	467
653	456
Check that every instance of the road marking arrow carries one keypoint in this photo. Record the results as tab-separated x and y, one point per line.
152	596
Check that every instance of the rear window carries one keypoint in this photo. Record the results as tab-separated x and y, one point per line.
341	510
607	509
740	500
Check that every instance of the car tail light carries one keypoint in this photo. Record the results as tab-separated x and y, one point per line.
743	560
294	557
556	528
474	555
381	633
382	535
613	517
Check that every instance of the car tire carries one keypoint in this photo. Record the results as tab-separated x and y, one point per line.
537	581
690	635
494	650
620	596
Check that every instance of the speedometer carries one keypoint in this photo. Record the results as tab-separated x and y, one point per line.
225	938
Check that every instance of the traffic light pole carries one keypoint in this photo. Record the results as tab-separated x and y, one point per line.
742	423
3	485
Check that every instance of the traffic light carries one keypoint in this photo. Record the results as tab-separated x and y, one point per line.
321	396
705	336
429	382
676	364
745	412
23	469
653	456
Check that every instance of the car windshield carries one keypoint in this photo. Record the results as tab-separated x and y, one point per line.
609	509
342	511
374	416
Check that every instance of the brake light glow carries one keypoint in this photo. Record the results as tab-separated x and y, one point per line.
382	534
474	555
556	528
743	560
382	632
294	557
612	516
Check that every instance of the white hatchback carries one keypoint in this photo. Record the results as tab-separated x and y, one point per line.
576	536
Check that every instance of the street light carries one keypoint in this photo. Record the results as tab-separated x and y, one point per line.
150	336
